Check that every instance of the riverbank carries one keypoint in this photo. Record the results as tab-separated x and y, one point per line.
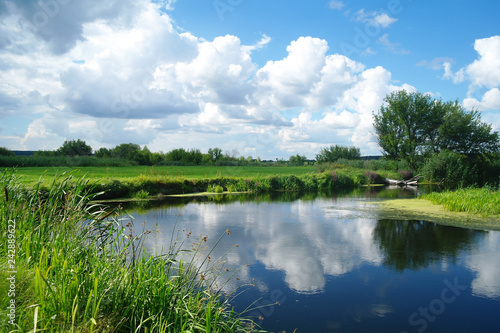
69	266
466	208
143	182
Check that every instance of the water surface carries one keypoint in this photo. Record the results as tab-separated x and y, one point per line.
333	264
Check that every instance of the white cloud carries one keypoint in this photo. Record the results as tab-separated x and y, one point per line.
285	83
128	75
336	4
375	18
483	73
393	47
489	101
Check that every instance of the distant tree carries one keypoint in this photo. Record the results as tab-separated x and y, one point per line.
333	153
6	152
215	154
127	151
74	148
103	153
297	160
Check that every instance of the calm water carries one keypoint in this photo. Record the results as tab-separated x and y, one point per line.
335	265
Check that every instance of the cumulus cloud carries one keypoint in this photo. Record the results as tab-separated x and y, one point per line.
483	73
60	22
125	73
489	101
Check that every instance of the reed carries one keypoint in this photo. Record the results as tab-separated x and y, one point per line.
79	269
483	201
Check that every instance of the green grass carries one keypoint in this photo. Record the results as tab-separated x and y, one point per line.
79	270
483	201
127	182
32	175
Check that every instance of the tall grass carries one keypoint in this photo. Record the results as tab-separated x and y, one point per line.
80	270
484	201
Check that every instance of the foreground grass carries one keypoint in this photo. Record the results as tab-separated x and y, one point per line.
74	269
483	201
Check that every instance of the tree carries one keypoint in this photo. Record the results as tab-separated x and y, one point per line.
103	153
74	148
298	160
410	126
127	151
333	153
404	124
6	152
215	154
463	132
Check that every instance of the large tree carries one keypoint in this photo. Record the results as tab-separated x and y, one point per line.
411	125
74	148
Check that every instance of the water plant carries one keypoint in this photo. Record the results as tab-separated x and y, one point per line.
79	269
484	201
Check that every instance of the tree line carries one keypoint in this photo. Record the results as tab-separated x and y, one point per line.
180	156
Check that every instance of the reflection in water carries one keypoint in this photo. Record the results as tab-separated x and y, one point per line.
417	244
332	259
485	260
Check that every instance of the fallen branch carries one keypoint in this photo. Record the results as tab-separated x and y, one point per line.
410	182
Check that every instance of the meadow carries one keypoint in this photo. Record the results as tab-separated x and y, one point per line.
146	181
31	175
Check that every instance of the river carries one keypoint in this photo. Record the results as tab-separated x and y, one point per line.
334	263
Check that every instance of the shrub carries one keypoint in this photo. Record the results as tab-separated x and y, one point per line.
141	194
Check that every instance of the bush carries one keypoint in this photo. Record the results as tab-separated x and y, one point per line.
456	170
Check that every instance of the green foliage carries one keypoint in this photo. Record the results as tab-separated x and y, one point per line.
297	160
215	154
74	148
464	133
6	152
484	201
61	161
214	188
412	126
459	170
334	153
80	270
142	194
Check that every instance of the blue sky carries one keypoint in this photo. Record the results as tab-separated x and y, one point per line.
255	78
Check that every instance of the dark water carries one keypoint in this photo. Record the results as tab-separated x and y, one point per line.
333	264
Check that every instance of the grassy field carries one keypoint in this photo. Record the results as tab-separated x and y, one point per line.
144	181
32	175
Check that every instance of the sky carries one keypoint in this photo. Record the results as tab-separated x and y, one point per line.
256	78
